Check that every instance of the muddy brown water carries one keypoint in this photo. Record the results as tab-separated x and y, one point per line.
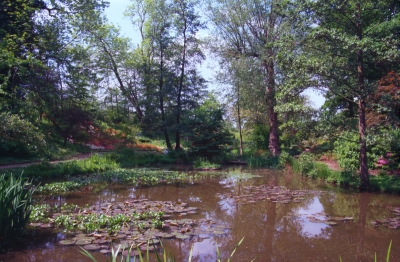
269	233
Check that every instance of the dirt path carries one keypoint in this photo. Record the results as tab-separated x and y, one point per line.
79	156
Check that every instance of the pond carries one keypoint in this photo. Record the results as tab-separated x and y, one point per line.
318	222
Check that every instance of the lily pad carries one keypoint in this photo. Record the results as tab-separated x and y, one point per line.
82	242
67	242
92	247
331	223
181	236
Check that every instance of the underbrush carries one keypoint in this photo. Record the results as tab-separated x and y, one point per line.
306	166
129	158
385	183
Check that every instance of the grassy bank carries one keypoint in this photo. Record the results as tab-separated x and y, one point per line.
306	166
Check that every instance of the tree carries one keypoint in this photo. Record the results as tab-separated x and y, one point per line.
187	24
208	135
350	47
256	30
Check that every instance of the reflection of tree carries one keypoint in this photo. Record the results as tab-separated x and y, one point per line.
362	218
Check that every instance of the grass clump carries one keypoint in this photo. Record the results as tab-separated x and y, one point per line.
306	166
385	183
96	163
203	163
15	206
128	157
263	161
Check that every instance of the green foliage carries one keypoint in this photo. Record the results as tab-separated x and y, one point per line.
204	163
59	187
19	137
385	183
379	143
263	161
127	158
306	162
95	163
142	177
260	137
40	213
209	136
307	167
15	206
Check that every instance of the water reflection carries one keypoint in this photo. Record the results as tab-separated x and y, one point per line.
269	234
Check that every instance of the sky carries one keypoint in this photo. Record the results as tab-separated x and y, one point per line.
115	15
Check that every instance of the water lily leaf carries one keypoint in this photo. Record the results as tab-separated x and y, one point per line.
82	242
331	223
180	236
92	247
67	242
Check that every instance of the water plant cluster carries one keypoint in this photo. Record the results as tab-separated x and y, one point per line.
204	163
393	222
320	217
138	223
135	177
277	194
15	206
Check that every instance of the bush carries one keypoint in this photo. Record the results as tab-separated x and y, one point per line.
19	137
260	137
15	206
379	144
263	161
306	163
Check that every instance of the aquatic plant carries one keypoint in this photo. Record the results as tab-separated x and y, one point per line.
59	187
15	205
263	161
203	163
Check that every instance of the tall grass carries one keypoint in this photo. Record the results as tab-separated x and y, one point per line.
95	163
205	163
307	167
263	161
15	206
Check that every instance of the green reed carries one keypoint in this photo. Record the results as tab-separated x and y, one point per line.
15	205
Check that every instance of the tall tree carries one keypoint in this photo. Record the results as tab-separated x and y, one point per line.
187	24
253	29
352	44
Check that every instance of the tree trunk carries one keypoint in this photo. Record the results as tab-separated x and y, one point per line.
273	146
178	104
239	124
364	176
161	86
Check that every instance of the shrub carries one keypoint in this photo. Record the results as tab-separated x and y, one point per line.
263	161
15	206
305	163
379	144
19	137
